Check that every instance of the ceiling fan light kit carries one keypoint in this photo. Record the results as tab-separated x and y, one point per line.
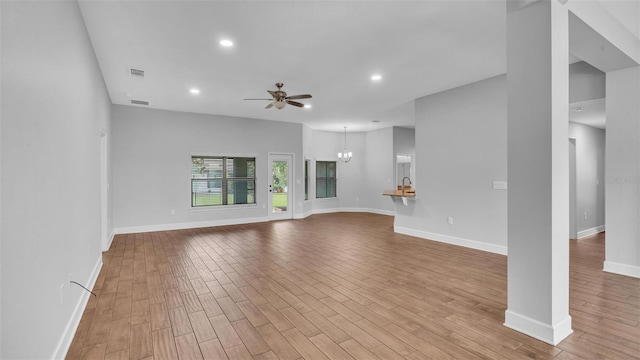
280	99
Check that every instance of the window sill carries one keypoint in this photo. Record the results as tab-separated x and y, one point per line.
222	207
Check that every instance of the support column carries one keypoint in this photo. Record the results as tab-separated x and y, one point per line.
622	203
538	169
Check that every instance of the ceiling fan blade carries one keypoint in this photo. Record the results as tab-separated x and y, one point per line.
268	106
295	103
295	97
258	99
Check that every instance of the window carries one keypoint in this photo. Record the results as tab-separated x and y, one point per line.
325	179
306	179
222	180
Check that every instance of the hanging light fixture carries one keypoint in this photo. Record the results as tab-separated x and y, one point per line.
345	155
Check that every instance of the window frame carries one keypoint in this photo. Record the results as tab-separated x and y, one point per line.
334	179
225	179
307	178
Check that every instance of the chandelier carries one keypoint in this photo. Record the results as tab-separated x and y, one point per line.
345	155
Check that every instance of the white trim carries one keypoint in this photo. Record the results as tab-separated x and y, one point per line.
544	332
325	211
473	244
336	210
301	216
72	326
187	225
622	269
201	224
372	211
111	236
205	208
104	189
589	232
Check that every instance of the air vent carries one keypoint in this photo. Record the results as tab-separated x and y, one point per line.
137	72
139	102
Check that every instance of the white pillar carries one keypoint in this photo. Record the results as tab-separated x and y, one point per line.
622	192
538	169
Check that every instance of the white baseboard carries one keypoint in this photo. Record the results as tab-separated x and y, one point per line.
473	244
367	210
303	215
382	212
325	211
70	330
589	232
187	225
111	236
201	224
335	210
622	269
544	332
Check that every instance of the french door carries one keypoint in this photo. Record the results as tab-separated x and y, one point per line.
280	186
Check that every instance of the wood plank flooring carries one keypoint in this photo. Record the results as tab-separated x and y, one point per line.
334	286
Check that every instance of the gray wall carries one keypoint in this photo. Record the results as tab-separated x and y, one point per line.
585	82
362	180
460	146
379	171
590	179
54	103
152	165
324	146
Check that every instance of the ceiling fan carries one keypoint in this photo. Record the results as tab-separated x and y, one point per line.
280	98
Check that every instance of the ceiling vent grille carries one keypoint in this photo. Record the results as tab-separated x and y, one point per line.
137	72
139	102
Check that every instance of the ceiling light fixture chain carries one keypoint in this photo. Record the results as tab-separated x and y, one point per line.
345	155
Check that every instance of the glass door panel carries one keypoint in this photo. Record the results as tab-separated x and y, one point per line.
279	181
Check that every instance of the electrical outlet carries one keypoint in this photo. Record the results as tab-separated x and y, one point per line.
173	211
450	220
585	216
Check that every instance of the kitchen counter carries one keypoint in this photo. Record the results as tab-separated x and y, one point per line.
407	193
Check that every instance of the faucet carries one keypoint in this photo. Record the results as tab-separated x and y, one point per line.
406	177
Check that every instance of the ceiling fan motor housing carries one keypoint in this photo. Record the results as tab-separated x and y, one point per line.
280	98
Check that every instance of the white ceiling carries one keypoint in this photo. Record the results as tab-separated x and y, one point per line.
326	48
589	112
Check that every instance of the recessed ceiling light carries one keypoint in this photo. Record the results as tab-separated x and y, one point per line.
307	106
226	43
578	109
376	77
194	91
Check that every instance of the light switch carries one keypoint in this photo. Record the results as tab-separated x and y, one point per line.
499	185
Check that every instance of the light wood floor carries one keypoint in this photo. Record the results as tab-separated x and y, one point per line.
336	286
